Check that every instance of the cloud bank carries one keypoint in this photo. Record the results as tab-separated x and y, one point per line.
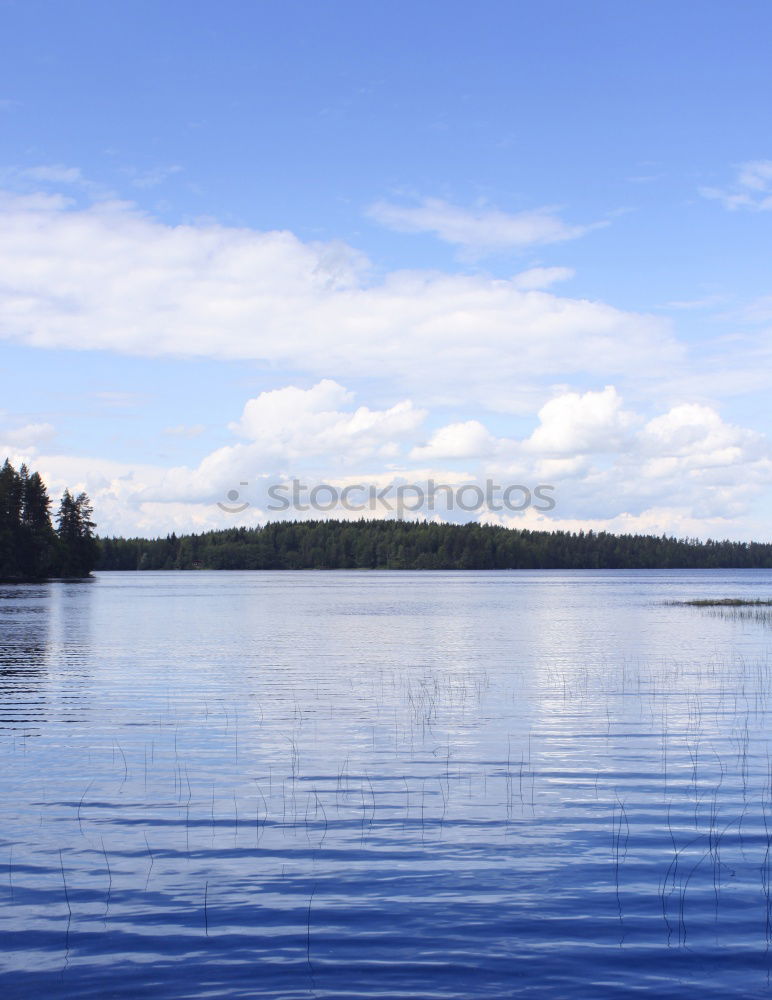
609	465
448	350
108	277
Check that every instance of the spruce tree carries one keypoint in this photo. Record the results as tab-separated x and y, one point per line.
30	549
10	522
40	542
78	546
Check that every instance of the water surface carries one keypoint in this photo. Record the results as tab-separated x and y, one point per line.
384	784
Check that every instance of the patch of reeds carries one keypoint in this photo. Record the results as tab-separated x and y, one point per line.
724	602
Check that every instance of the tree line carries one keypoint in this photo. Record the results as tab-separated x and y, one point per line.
394	544
30	547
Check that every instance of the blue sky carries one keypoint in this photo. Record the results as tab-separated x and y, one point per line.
389	241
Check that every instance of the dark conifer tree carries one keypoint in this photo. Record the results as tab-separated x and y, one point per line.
381	544
78	546
40	542
30	549
10	522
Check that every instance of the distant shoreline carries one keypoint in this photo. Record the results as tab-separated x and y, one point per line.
421	545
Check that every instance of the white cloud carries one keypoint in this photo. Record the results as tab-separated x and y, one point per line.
111	278
607	460
541	277
752	188
479	229
108	277
461	440
682	471
293	424
571	426
692	440
28	436
578	424
656	520
756	175
53	173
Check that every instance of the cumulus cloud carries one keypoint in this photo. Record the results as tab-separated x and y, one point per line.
479	229
314	431
612	468
607	460
574	423
468	439
752	188
692	440
570	426
293	423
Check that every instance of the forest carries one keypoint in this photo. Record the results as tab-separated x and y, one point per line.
395	544
30	547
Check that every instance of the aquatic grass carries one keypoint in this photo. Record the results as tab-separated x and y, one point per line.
724	602
109	882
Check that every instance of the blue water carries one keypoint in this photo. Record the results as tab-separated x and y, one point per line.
392	785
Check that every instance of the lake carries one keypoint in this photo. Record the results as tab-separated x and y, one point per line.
385	784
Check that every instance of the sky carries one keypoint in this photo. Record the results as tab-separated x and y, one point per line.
386	244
